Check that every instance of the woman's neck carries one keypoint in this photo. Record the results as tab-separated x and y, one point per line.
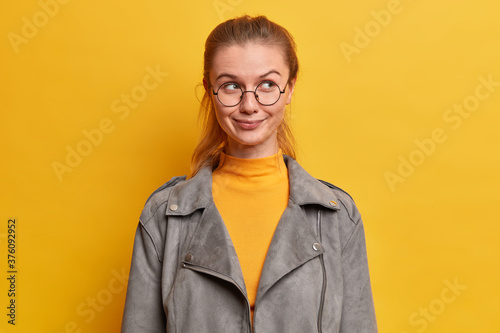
254	172
238	150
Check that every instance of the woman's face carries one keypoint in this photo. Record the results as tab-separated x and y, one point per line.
251	127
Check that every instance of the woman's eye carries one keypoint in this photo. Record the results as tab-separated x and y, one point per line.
267	85
231	86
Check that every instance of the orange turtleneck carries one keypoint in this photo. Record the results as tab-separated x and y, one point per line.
251	195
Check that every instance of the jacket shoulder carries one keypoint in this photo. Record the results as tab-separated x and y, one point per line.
336	188
172	182
346	202
158	198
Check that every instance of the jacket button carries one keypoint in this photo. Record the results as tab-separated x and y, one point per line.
317	247
174	207
188	257
333	203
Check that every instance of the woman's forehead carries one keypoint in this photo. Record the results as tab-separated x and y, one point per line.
250	60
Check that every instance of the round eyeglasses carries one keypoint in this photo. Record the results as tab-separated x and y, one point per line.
266	93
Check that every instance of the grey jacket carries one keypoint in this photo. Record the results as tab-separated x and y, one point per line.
185	276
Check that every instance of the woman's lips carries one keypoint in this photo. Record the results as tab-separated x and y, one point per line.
248	124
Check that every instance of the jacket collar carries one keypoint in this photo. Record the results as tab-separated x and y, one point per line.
305	189
196	193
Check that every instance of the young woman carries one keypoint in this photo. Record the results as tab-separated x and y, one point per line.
250	242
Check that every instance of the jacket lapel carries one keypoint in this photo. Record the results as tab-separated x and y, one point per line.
291	246
295	240
210	247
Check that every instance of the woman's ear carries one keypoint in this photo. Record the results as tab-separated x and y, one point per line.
205	84
291	86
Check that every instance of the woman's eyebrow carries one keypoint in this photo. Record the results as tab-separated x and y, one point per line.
234	77
231	76
270	72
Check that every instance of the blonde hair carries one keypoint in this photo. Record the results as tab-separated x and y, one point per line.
239	31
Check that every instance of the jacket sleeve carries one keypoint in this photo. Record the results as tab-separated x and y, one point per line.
358	313
143	306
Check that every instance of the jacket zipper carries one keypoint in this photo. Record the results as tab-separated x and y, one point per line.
323	288
225	278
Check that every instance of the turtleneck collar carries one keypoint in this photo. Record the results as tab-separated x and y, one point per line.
253	172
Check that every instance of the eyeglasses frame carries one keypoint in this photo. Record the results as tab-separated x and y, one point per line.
252	91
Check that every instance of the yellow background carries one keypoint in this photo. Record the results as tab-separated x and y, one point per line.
356	116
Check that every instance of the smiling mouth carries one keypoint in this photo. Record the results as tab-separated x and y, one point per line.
248	124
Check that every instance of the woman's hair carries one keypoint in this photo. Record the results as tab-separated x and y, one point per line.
239	31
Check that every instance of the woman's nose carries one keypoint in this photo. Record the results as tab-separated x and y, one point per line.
249	102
